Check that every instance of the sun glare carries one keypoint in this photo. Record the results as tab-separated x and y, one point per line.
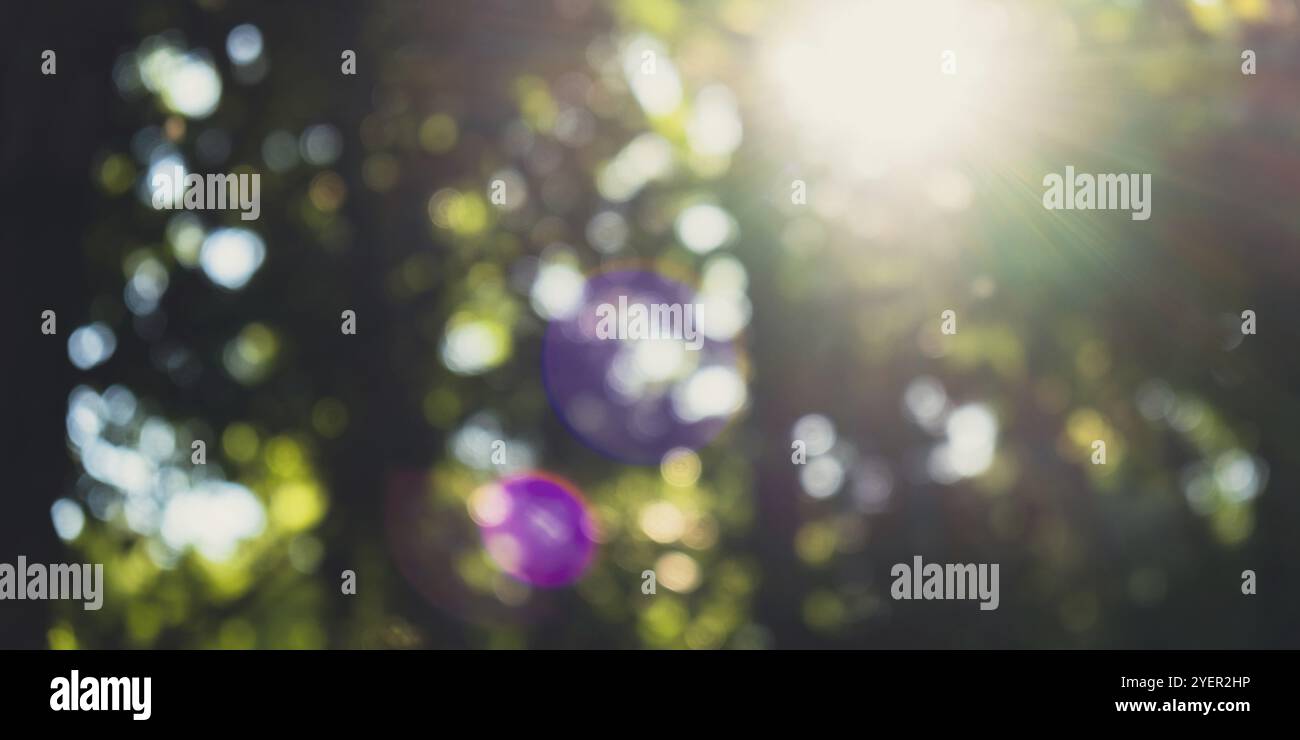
883	83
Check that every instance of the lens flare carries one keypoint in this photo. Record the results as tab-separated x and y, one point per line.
635	395
535	527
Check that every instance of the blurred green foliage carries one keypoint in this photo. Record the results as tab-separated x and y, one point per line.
1072	328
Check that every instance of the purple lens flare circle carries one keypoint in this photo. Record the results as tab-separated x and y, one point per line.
535	527
632	373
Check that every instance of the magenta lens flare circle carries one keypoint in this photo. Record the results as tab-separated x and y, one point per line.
535	527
